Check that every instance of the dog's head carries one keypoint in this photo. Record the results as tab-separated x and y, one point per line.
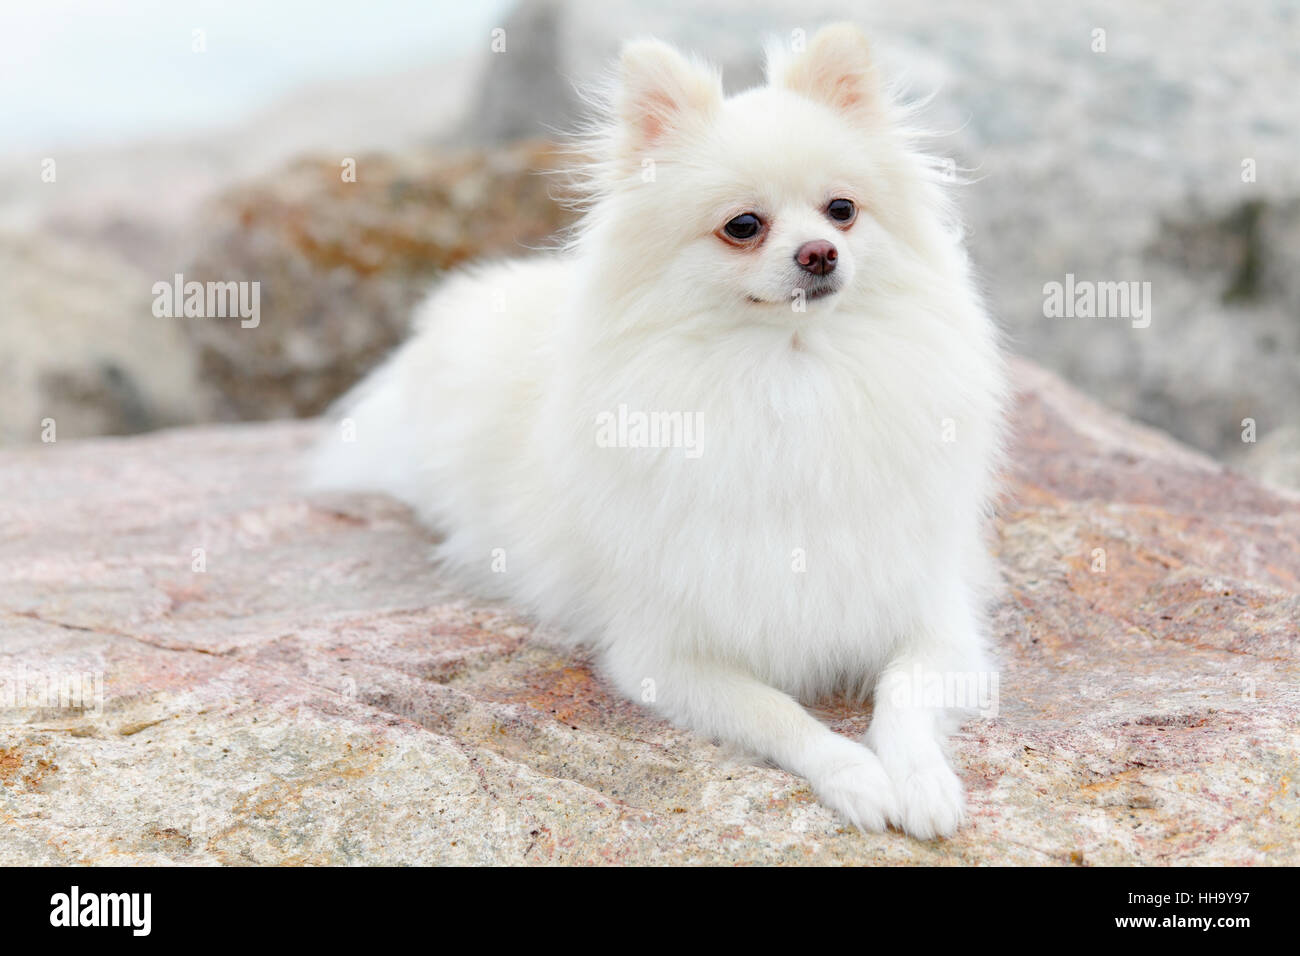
784	199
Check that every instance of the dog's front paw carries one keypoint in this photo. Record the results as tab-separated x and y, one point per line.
930	800
851	781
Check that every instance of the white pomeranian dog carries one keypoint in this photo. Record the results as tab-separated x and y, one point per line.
741	436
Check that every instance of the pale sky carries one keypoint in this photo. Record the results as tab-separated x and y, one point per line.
74	72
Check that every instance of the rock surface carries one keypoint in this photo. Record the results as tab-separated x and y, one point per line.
79	348
315	695
342	263
339	266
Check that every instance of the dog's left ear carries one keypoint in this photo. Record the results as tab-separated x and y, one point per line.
837	69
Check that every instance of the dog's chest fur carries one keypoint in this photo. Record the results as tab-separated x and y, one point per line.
833	476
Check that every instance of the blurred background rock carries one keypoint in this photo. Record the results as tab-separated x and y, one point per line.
1122	165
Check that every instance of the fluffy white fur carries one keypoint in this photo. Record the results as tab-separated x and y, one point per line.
828	536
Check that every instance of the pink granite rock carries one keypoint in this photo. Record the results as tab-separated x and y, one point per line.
316	695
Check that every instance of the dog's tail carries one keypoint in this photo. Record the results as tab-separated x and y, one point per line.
362	446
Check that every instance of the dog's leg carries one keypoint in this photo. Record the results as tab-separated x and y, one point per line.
909	727
724	703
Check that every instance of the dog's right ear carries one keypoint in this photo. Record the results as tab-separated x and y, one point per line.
661	93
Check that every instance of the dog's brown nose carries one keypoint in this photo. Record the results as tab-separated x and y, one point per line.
817	257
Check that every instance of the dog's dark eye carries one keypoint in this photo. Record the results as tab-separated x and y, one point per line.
744	226
841	210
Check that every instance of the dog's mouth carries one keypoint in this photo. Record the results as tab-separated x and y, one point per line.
811	293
